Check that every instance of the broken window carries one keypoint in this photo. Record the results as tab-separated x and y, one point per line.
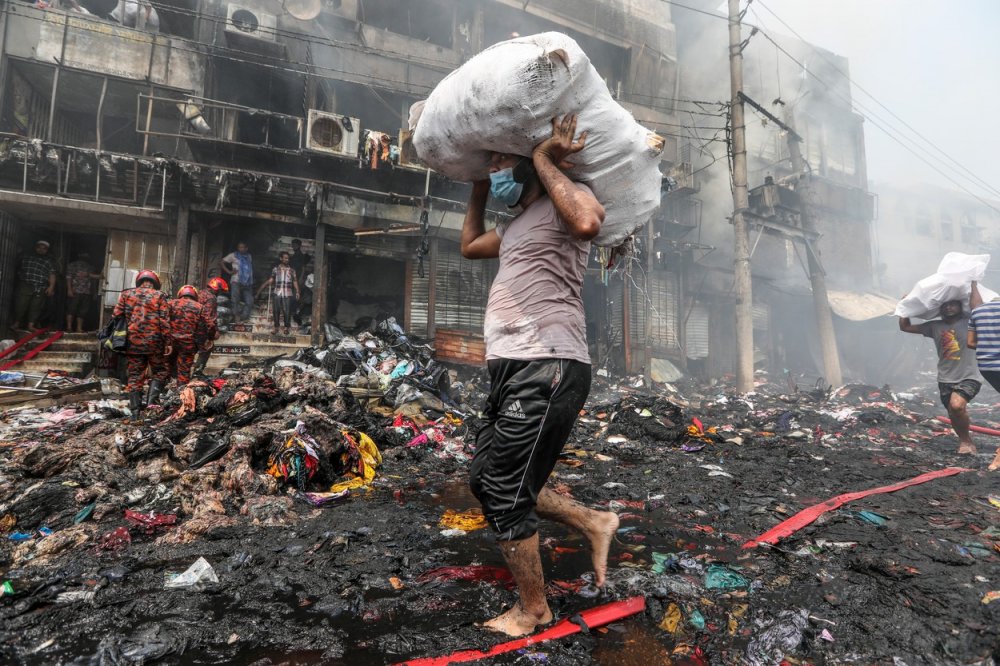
427	20
970	232
922	226
947	229
609	59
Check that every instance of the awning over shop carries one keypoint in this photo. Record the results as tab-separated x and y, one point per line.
860	306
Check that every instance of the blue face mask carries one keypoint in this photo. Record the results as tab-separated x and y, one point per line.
504	188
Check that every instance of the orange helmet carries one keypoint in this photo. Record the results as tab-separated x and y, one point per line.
218	284
148	275
187	290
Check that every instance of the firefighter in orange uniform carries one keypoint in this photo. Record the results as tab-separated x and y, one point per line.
210	310
147	314
188	332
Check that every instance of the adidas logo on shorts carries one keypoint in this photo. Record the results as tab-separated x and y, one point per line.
514	411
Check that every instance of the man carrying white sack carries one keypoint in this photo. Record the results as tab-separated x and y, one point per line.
539	365
984	337
958	378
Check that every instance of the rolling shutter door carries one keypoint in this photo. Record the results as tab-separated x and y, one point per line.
130	252
462	288
761	317
697	333
657	300
419	295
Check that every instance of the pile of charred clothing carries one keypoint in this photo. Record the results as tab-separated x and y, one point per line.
317	511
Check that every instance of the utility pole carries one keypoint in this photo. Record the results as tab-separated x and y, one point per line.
741	201
817	277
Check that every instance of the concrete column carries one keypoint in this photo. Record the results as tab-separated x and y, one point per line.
319	283
182	245
196	258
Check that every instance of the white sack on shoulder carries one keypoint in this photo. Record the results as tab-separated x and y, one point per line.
504	99
951	282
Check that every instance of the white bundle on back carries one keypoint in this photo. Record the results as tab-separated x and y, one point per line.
951	282
503	100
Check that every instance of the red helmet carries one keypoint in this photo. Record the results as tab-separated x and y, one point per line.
218	284
148	275
187	290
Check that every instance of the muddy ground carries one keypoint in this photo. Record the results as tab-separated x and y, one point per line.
357	581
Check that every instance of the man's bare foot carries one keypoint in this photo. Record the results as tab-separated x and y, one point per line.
966	448
995	465
517	621
604	527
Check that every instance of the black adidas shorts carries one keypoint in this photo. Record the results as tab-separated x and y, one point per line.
529	413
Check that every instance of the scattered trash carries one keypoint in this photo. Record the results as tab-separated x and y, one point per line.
467	521
991	596
150	521
198	574
718	577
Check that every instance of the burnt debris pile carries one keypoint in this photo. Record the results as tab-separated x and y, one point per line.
316	508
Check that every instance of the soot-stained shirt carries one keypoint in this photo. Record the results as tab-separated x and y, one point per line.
535	308
956	362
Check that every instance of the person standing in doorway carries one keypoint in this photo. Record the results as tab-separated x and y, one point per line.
238	266
958	378
147	315
537	357
298	261
286	287
80	290
36	275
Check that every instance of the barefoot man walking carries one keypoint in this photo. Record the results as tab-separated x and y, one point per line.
536	350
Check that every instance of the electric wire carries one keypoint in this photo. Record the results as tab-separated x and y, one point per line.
922	157
840	71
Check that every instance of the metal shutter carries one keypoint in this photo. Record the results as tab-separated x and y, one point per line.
130	252
655	297
462	288
419	295
697	333
761	317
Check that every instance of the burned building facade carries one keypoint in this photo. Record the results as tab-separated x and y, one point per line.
790	88
917	225
162	145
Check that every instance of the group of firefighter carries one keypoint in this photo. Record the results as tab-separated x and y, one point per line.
166	335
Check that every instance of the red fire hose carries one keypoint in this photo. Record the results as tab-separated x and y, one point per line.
33	353
808	515
590	618
23	341
973	428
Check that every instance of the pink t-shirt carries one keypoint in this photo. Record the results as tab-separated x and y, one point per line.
535	310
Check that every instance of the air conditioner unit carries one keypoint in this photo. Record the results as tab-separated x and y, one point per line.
246	22
407	153
332	133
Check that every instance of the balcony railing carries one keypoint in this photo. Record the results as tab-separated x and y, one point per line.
82	173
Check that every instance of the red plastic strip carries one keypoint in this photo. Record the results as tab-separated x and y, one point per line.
33	353
973	428
593	617
23	341
810	514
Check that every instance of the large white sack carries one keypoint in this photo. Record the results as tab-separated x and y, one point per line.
504	99
951	282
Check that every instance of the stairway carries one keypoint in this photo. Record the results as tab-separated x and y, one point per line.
238	346
73	353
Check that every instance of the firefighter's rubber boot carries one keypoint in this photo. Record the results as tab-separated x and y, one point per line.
155	388
135	403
